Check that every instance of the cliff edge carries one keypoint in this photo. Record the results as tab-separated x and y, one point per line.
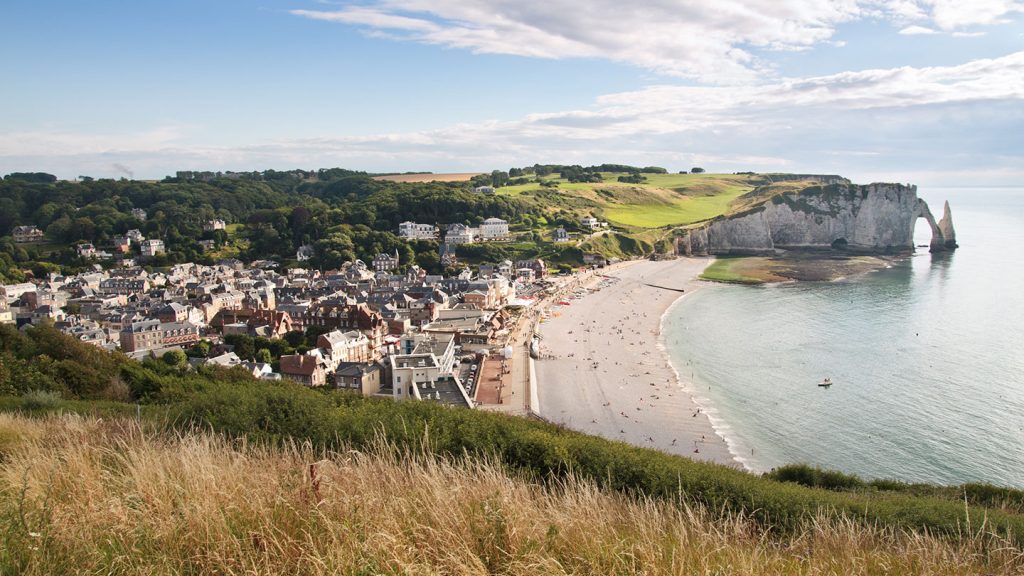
871	219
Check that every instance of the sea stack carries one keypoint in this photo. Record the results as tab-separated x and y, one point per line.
946	227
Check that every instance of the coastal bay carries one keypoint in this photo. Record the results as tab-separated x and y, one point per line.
604	370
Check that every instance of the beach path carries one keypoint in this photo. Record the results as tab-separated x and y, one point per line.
603	372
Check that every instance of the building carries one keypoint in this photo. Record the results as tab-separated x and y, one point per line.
459	234
214	225
484	190
153	247
362	377
139	214
592	223
385	262
135	236
415	231
494	229
306	369
560	235
86	250
339	347
305	252
151	334
424	371
122	244
27	234
123	286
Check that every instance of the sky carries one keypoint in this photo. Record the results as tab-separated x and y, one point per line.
922	91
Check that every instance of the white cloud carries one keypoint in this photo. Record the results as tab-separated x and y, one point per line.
889	119
717	43
915	30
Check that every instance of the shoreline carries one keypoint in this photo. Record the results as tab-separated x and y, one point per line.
604	373
718	424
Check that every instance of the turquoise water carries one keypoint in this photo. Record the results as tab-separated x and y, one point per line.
927	358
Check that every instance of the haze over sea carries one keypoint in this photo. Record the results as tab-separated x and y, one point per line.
927	358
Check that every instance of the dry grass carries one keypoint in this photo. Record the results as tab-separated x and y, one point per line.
87	496
453	177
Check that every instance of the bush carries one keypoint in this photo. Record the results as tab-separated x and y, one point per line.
37	400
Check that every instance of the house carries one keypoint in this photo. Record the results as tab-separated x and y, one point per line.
139	214
540	269
494	229
27	234
153	247
214	225
415	231
135	236
305	369
86	250
592	223
207	245
459	234
351	346
151	334
173	313
305	252
362	377
560	235
122	244
385	262
484	190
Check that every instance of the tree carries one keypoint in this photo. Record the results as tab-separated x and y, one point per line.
696	170
263	355
175	358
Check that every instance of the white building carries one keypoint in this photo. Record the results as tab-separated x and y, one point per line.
153	247
560	235
214	225
338	347
139	214
592	223
415	231
459	234
484	189
494	229
305	252
427	359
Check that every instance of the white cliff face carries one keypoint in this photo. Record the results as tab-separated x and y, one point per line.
874	218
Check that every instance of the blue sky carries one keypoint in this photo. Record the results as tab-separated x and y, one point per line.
926	91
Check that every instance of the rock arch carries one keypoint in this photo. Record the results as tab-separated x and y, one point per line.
938	243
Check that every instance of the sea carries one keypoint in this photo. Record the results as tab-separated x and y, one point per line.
926	358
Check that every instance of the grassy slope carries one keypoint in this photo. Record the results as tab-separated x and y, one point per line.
664	200
105	496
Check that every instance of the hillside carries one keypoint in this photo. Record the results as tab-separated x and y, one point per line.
84	495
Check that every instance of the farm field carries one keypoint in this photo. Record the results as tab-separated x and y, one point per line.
450	177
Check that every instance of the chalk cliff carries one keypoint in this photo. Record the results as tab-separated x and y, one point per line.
876	218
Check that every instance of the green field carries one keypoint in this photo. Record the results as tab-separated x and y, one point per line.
663	200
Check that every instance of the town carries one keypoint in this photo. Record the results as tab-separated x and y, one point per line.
383	328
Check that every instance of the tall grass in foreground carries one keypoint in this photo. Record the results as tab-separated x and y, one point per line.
82	495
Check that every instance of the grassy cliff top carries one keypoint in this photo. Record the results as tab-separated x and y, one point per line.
84	495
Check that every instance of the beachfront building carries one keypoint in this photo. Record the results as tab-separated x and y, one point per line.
425	370
494	229
27	234
459	234
416	231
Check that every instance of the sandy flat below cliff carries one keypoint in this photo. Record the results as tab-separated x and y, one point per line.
604	372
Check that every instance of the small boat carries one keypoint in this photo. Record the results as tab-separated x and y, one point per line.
825	383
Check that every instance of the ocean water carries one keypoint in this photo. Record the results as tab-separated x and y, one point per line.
927	358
